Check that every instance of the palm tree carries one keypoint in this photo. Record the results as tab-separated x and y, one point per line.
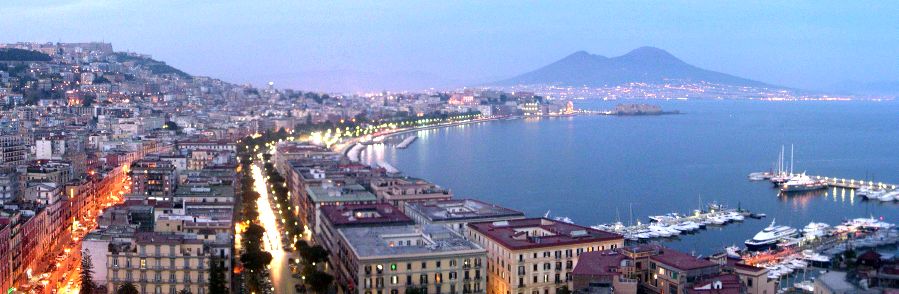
127	288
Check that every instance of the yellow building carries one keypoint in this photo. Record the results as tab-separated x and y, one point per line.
535	255
392	259
163	263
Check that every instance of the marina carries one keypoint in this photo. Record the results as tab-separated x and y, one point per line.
674	224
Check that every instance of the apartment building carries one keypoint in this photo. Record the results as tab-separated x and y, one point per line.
535	255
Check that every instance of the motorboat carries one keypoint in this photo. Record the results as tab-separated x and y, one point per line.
802	183
815	230
733	252
770	236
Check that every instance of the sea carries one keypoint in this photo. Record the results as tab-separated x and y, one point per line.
599	169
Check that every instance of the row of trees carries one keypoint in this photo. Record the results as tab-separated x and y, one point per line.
253	258
312	257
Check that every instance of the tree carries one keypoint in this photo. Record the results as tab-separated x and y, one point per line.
563	290
314	254
127	288
255	260
87	275
319	281
184	291
217	276
416	290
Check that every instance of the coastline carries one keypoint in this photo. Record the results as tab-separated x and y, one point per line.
347	146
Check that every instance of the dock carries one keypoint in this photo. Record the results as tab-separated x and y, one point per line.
831	182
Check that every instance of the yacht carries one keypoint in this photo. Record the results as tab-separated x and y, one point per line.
815	230
735	216
758	176
769	237
889	196
733	252
863	192
802	183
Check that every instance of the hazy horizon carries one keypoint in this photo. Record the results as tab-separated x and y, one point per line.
368	45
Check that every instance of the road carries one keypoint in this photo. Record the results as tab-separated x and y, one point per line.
66	275
280	271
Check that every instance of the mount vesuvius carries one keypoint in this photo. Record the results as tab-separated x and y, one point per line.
641	65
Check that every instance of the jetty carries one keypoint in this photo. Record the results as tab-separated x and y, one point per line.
406	142
830	182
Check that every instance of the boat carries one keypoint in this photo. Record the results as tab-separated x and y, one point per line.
735	216
806	286
769	237
814	257
889	196
802	183
665	218
863	192
718	220
759	176
733	252
815	230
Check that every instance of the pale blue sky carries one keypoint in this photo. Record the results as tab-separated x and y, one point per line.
807	44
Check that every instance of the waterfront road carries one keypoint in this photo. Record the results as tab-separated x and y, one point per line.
281	277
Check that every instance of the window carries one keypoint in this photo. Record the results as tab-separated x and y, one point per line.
380	268
535	267
423	279
438	278
392	266
438	264
424	264
408	266
408	280
452	262
521	270
520	257
394	280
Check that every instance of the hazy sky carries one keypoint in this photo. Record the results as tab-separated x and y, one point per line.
814	44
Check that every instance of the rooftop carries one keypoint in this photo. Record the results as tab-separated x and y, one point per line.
540	232
461	209
398	241
364	214
836	282
599	263
339	193
681	260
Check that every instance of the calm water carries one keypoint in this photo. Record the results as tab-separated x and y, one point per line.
593	168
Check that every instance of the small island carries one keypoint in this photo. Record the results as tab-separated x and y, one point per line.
639	109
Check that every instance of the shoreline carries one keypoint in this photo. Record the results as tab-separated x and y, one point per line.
348	146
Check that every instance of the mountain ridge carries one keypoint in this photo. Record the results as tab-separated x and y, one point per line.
643	65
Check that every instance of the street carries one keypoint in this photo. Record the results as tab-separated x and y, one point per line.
282	279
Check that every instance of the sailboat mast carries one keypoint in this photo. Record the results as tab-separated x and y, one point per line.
791	159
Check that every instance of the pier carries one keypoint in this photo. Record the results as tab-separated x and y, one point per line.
853	183
832	182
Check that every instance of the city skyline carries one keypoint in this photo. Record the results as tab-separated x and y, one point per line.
369	45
